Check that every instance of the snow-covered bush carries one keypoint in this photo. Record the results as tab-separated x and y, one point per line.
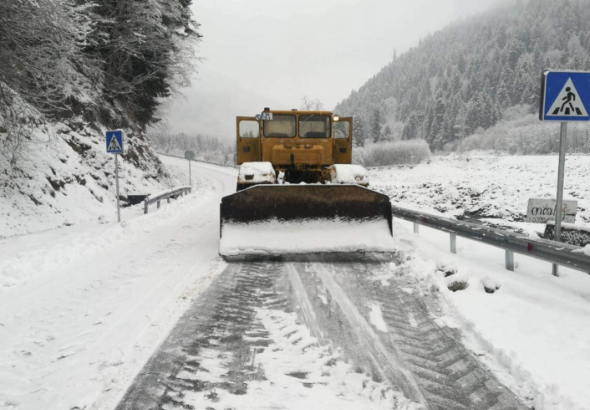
525	135
490	285
392	153
457	284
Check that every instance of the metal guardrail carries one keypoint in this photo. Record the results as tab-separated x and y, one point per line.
549	251
174	193
198	160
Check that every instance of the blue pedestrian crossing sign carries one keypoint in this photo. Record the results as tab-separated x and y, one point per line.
115	142
565	96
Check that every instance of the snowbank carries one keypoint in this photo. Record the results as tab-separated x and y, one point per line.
350	174
531	331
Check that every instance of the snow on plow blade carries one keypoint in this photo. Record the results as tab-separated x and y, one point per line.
306	222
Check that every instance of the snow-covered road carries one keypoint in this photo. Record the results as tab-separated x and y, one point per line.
83	308
315	335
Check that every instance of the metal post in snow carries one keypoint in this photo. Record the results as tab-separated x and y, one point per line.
117	185
510	260
560	179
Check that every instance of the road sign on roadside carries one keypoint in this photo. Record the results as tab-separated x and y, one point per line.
115	146
114	142
190	155
543	210
565	96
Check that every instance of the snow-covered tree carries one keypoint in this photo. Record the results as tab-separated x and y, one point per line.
359	132
376	123
387	134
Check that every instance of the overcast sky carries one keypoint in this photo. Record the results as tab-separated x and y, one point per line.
260	53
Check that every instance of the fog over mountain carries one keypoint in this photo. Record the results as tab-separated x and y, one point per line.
267	53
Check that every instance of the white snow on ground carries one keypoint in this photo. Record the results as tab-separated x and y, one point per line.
485	186
83	308
532	332
299	374
299	237
376	317
67	178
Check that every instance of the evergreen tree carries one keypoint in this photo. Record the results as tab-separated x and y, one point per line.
376	125
387	134
411	127
359	132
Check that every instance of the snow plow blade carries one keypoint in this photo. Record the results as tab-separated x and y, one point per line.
306	223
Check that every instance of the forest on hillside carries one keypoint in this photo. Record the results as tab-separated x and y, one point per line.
461	86
99	63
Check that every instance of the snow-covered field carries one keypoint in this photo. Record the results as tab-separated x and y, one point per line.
485	187
82	308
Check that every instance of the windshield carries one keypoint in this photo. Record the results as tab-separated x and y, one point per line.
281	126
314	126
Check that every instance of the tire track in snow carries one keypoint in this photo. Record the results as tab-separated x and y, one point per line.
387	361
447	374
220	324
212	351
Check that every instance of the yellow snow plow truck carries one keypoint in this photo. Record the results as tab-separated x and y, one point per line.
298	196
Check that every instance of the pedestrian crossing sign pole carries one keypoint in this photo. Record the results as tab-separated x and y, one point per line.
114	140
565	97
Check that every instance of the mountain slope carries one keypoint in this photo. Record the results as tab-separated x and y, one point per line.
70	70
471	74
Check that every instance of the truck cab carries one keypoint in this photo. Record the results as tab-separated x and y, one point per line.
303	145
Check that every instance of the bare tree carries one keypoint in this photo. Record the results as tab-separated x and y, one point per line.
311	105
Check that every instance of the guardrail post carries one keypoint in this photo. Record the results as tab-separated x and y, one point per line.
158	204
145	206
168	200
416	228
453	243
510	261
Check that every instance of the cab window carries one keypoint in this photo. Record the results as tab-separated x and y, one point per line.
281	126
249	129
341	130
314	126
